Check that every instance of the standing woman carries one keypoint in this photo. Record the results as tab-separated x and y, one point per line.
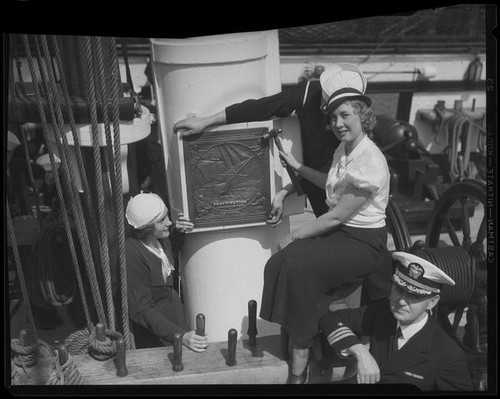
155	309
347	244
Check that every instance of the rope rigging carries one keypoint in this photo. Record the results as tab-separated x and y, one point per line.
456	131
73	199
104	250
56	246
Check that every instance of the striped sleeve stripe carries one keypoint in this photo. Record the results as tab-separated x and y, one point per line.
339	334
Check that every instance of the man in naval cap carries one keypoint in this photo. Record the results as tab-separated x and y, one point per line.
406	344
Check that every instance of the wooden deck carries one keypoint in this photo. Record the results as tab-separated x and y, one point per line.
258	365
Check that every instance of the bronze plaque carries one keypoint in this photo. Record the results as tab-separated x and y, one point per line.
227	177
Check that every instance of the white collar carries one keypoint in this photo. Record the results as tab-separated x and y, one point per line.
365	141
411	329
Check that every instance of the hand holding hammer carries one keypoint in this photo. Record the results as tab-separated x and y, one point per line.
293	177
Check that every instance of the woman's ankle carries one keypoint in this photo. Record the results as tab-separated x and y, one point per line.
300	358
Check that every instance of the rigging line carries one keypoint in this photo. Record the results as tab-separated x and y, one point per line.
402	28
20	273
87	194
29	166
118	193
103	250
56	175
104	99
74	198
14	56
95	42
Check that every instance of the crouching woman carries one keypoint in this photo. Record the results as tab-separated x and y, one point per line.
155	308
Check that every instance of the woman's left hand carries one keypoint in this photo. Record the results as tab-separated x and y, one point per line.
183	224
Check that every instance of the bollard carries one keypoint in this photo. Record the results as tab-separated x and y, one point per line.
252	323
121	365
200	325
178	366
100	332
62	353
23	338
232	336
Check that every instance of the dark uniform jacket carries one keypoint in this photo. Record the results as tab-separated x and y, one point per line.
318	143
430	359
155	308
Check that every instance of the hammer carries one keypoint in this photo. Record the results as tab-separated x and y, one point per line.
293	177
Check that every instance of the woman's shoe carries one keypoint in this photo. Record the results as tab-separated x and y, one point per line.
298	379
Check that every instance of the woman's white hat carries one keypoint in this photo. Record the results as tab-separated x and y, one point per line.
144	209
342	81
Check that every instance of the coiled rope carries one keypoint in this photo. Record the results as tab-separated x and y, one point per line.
103	348
98	342
459	132
64	374
455	130
457	263
15	377
78	342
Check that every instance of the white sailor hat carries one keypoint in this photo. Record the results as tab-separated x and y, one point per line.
340	82
145	209
418	276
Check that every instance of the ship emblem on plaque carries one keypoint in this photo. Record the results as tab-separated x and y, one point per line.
227	177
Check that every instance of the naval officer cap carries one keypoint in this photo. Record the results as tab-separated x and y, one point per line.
418	276
341	82
145	209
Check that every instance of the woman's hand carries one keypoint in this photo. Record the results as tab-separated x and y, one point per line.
183	224
278	205
195	342
289	159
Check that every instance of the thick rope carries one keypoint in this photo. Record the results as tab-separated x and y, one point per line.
83	238
87	195
104	100
30	172
459	129
103	350
51	266
64	374
78	342
118	194
15	376
70	177
20	273
104	249
25	356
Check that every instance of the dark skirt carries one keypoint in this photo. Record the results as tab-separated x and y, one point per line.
298	278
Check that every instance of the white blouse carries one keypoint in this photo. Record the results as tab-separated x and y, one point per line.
366	168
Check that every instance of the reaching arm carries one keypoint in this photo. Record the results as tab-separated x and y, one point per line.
280	104
189	126
350	202
313	175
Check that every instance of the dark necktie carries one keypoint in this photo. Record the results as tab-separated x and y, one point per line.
398	335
